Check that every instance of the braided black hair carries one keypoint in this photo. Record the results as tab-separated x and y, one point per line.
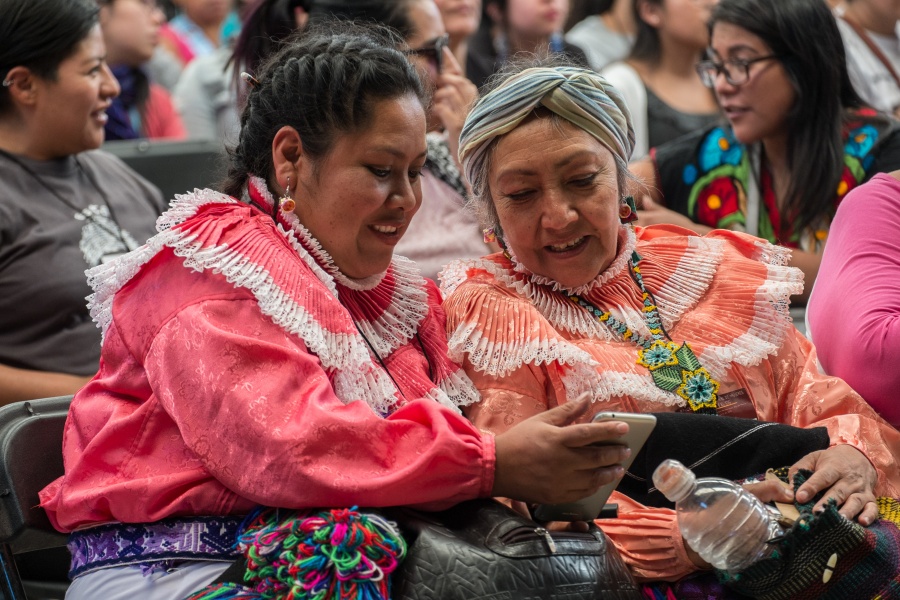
322	83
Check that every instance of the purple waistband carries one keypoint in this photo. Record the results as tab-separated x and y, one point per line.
119	544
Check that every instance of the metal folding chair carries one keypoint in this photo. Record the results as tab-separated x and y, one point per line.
30	458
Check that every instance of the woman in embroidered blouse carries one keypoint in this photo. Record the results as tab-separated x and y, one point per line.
563	313
797	140
272	352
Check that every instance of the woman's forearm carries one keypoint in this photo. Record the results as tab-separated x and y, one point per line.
26	384
809	264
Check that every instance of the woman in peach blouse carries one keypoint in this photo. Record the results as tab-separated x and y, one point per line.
654	319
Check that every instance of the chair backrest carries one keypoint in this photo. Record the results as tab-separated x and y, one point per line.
175	167
30	457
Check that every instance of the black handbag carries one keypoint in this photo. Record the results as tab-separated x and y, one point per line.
481	549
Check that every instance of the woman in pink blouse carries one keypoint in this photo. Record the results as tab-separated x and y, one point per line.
854	311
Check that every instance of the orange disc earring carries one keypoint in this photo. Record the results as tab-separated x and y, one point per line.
286	203
627	210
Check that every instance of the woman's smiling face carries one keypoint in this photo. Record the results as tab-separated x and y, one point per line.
358	200
556	193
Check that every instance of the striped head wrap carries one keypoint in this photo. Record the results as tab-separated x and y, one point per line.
578	95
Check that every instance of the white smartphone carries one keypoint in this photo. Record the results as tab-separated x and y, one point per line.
587	509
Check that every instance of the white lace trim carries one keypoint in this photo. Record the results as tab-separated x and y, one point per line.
583	378
690	279
499	360
771	305
405	312
627	243
185	206
356	377
455	391
682	291
459	389
408	306
107	279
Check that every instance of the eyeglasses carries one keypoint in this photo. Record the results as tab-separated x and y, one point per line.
433	51
736	70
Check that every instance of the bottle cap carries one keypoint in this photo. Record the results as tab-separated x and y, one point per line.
673	479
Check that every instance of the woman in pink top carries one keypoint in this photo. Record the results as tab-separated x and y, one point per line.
854	311
275	352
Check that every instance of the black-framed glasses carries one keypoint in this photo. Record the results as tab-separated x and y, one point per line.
433	51
736	70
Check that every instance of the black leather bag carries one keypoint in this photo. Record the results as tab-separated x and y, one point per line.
482	550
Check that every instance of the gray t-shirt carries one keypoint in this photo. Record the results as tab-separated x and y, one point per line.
46	245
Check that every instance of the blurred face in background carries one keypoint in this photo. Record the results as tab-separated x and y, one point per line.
428	28
130	30
682	21
536	18
461	17
205	12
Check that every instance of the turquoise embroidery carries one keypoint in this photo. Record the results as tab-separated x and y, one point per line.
719	174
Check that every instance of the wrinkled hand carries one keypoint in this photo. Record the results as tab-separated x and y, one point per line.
848	477
452	100
549	459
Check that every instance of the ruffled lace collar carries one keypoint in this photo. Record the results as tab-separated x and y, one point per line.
626	246
333	328
500	319
692	270
387	307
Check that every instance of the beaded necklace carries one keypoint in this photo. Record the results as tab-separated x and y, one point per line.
673	368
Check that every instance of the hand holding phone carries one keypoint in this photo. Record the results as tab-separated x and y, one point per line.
639	429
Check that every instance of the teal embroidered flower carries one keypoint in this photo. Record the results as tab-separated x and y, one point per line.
659	354
861	140
719	148
699	389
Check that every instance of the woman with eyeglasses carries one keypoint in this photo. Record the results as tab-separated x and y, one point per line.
797	136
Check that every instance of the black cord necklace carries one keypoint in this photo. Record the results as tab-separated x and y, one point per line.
116	232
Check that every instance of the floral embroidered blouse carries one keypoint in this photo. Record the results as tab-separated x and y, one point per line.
706	176
528	348
236	370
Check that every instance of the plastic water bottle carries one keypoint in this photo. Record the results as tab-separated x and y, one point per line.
726	525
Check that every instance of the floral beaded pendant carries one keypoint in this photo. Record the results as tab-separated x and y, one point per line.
677	370
674	369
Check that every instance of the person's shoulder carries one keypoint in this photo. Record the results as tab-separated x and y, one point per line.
587	30
489	275
627	80
110	165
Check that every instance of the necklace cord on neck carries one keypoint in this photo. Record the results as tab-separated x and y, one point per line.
117	233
